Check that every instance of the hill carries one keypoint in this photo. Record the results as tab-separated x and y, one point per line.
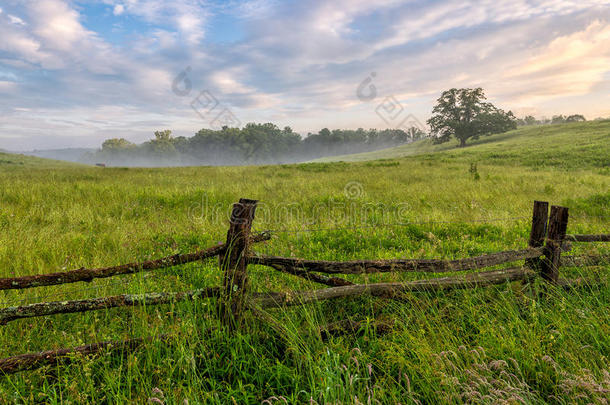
565	145
66	154
13	160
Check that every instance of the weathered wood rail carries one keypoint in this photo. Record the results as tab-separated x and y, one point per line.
87	275
588	238
391	290
32	361
582	261
409	265
542	258
124	300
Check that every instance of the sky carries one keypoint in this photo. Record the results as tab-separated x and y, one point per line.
73	73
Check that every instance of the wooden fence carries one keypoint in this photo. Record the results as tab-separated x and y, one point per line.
542	257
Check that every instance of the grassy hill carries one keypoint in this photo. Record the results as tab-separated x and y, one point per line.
511	343
9	161
576	145
65	154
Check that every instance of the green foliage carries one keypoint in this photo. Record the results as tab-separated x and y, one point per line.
117	144
560	119
557	119
576	118
596	205
462	114
162	145
474	171
252	144
163	136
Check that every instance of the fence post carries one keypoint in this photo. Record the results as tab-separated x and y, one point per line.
558	223
538	232
234	262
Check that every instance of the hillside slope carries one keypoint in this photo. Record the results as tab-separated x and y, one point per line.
12	160
66	154
583	145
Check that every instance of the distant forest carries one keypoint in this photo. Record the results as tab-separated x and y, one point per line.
557	119
252	144
265	144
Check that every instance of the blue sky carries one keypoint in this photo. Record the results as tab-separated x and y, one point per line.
73	73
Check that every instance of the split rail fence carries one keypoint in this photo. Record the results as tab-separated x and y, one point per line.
542	258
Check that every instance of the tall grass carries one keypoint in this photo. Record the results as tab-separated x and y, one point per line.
507	343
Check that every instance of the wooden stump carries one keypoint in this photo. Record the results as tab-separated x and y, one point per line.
234	263
538	233
558	223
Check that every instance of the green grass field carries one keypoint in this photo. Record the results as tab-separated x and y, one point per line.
491	345
570	146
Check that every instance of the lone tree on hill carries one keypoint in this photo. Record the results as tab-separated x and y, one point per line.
462	113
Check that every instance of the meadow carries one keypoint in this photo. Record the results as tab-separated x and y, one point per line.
506	344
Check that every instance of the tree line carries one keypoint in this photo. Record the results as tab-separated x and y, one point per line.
459	114
556	119
255	143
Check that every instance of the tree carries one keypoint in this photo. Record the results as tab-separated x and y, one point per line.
181	143
462	113
163	143
165	135
530	120
415	134
576	118
117	144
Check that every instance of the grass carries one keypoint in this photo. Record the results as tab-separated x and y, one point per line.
573	146
483	345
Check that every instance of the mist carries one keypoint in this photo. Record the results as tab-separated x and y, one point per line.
221	158
254	144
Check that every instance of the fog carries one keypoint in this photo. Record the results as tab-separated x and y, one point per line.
253	144
219	158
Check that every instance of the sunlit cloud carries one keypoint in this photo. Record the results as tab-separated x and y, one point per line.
570	65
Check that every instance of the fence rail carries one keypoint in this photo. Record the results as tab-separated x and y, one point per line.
391	290
92	304
409	265
32	361
588	238
587	260
542	258
87	275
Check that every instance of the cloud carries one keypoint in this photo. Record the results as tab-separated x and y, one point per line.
57	25
571	64
188	17
15	20
54	38
251	9
296	63
7	86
